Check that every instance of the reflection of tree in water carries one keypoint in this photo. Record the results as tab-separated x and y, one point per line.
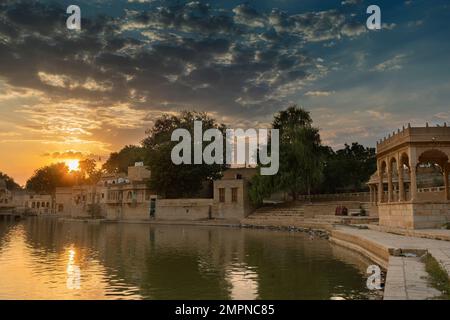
291	266
50	236
5	229
166	262
177	262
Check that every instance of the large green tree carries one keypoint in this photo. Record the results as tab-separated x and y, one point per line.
348	169
48	178
10	183
120	161
301	161
301	157
88	172
184	180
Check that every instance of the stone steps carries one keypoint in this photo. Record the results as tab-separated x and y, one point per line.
286	211
275	209
359	219
279	214
275	217
326	219
285	223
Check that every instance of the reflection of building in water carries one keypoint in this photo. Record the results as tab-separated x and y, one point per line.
39	256
173	262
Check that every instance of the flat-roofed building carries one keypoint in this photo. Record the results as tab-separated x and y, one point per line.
63	201
6	199
38	204
231	199
114	197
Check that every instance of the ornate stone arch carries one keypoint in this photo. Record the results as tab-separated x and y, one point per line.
404	159
382	167
434	156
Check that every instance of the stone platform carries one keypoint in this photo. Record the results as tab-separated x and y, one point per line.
407	280
406	277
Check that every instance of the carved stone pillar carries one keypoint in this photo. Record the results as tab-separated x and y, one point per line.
380	188
413	186
390	187
401	184
446	183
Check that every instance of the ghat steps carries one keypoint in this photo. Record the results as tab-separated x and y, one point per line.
295	213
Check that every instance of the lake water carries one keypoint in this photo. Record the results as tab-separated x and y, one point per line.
50	259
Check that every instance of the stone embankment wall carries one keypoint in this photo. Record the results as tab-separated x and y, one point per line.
183	209
414	215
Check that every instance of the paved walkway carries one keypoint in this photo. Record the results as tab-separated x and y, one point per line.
439	234
407	280
406	276
395	241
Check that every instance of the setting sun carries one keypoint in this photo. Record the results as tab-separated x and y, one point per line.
73	164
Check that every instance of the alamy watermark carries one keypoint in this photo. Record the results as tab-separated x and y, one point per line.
74	20
374	280
374	21
241	147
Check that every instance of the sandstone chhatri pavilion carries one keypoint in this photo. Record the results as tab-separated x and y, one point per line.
411	185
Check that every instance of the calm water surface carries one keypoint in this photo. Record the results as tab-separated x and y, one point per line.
47	259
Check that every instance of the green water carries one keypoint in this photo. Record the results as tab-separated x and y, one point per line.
40	258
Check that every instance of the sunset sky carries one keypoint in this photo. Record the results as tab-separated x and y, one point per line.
68	94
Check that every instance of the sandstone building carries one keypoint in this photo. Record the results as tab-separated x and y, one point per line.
127	197
411	186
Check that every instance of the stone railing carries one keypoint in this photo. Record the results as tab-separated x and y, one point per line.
431	189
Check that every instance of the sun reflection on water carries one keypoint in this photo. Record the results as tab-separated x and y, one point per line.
73	272
244	282
50	259
28	271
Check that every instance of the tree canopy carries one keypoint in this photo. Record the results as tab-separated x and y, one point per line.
301	159
291	118
88	172
10	183
46	179
120	161
348	169
182	180
307	166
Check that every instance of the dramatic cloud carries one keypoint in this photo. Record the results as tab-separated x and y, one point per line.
394	63
318	93
97	89
184	55
351	2
70	154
